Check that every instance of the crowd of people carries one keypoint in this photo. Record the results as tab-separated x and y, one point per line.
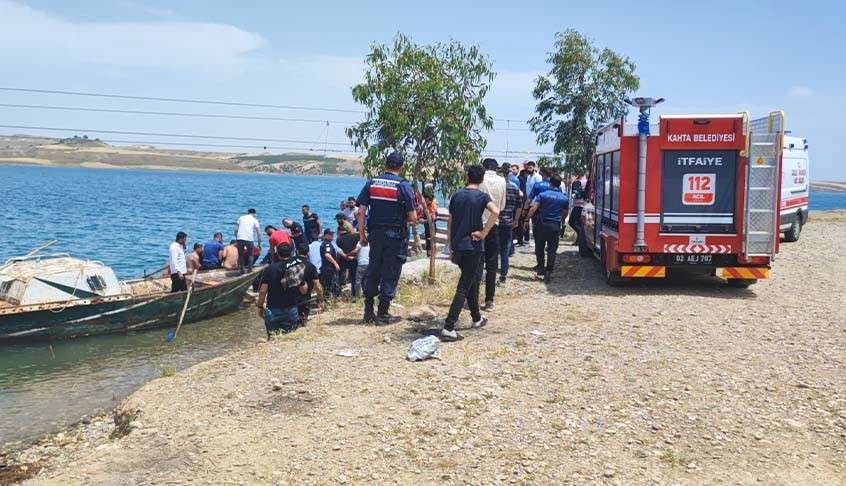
499	208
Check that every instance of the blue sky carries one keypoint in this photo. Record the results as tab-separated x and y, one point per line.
704	57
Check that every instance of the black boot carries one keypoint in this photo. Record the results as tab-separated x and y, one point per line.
383	317
369	316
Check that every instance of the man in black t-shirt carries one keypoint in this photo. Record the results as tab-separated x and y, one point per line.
311	278
282	286
466	237
311	224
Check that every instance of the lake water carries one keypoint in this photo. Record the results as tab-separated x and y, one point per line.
127	219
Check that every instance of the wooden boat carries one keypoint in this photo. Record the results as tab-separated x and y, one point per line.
60	297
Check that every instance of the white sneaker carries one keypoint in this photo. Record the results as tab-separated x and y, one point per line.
450	335
480	323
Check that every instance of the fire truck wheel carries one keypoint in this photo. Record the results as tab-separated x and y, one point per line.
795	230
741	283
584	249
612	277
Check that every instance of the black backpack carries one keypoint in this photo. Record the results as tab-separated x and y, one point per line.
293	274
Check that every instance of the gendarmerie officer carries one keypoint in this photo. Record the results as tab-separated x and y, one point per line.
390	202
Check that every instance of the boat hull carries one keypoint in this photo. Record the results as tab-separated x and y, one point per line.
123	313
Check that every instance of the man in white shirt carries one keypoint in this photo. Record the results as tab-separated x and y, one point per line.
494	186
247	230
177	264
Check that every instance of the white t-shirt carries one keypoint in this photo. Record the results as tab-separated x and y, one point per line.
176	260
351	214
494	186
363	254
248	227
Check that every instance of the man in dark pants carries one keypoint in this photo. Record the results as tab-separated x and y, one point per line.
508	216
550	206
176	263
390	202
466	236
246	230
494	186
330	268
282	286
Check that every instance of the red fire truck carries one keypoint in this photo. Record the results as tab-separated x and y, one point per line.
698	192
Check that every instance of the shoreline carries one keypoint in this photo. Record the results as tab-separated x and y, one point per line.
308	393
161	168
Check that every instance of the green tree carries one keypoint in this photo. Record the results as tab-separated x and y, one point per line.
584	89
425	101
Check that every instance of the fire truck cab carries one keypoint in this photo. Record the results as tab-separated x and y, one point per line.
698	192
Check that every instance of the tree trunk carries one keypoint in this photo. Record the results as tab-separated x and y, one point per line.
430	222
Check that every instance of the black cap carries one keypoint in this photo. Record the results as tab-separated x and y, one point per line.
180	235
395	160
531	162
284	249
328	231
251	211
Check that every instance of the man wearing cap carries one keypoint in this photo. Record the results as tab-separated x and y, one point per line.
389	202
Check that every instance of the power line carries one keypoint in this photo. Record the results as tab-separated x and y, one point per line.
193	115
177	100
172	113
174	135
211	102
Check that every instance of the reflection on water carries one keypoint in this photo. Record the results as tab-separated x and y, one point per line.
43	389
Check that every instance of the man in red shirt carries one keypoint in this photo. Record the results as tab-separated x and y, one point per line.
276	238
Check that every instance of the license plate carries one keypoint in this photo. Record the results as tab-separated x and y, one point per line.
692	259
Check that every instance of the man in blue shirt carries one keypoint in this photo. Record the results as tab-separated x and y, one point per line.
388	202
550	206
213	252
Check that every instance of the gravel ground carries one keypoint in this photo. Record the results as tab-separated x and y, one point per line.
684	381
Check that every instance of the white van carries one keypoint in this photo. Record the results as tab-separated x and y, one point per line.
795	184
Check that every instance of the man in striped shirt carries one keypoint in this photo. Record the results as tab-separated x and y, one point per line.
508	217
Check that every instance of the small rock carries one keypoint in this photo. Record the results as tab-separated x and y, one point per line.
386	339
277	386
608	473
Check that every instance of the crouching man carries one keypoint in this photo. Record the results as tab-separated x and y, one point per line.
283	285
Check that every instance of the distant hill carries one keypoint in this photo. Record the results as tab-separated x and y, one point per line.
82	151
299	164
830	186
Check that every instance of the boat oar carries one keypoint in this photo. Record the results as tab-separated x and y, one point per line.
171	335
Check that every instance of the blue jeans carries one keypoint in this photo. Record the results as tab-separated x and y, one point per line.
281	320
505	242
388	250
